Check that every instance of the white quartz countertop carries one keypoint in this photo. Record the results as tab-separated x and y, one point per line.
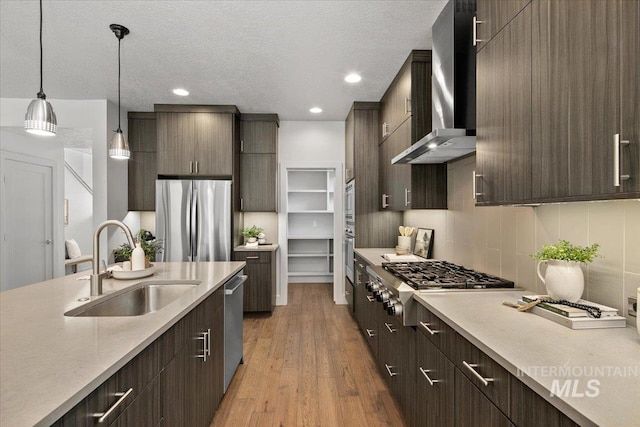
50	362
374	255
539	352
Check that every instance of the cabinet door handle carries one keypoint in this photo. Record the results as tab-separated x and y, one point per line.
253	257
471	367
370	298
347	293
102	416
407	105
428	329
474	185
476	40
385	200
617	158
391	373
196	166
385	129
424	372
370	333
209	342
407	197
205	340
191	166
242	146
241	204
389	327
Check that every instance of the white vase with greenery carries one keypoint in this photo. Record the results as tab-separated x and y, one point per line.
563	276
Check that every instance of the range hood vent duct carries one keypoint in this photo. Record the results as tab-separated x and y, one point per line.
453	95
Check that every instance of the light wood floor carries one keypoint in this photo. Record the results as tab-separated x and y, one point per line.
307	365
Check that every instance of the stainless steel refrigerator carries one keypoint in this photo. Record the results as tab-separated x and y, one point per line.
193	220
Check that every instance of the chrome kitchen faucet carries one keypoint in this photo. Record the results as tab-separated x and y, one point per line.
96	277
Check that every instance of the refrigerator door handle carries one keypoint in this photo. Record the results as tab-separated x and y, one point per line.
193	228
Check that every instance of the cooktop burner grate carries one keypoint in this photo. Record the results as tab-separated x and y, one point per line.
443	275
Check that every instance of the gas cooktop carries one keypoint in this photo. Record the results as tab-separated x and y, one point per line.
443	275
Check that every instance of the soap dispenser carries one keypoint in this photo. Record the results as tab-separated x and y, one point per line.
137	258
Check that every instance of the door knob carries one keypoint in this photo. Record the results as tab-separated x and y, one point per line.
48	242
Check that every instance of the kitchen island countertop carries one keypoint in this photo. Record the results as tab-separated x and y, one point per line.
539	352
50	362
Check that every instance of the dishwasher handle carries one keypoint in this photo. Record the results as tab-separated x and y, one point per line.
240	280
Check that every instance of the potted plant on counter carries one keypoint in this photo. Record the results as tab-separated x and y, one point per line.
149	244
251	235
563	277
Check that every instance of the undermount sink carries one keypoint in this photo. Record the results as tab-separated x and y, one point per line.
141	298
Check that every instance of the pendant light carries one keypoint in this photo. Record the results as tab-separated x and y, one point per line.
119	148
40	118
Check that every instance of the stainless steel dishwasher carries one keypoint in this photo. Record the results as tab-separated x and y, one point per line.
233	294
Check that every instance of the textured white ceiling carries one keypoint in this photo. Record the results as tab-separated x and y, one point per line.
263	56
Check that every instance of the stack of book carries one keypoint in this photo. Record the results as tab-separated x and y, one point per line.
576	318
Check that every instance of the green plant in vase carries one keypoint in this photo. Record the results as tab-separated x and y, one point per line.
149	244
563	277
252	233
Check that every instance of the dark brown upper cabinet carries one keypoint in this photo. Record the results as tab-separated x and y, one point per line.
196	140
557	100
142	166
361	163
405	117
503	119
492	16
258	162
586	70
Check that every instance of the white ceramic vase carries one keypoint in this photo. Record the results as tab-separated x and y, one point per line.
404	242
563	279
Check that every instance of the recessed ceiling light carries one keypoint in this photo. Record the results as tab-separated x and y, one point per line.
181	92
432	145
315	110
353	78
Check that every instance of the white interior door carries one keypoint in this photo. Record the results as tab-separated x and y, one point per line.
27	222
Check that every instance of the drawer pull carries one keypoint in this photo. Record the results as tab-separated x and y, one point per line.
428	329
253	257
102	416
370	333
471	367
389	327
424	372
391	373
205	345
347	293
370	298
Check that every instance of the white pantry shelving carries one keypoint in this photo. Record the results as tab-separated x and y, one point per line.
310	216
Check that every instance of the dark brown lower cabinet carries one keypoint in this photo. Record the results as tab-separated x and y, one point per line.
260	287
434	385
171	382
465	387
473	408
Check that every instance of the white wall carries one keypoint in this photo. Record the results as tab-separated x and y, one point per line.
109	177
311	144
80	225
498	240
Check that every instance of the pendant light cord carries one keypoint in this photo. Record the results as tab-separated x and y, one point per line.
119	40
41	93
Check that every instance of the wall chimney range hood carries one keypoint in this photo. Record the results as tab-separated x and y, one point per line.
453	95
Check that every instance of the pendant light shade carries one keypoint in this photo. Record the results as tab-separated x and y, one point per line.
40	118
119	147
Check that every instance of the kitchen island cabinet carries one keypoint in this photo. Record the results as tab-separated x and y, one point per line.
89	359
196	140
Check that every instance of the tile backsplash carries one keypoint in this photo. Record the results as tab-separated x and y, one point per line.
498	240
